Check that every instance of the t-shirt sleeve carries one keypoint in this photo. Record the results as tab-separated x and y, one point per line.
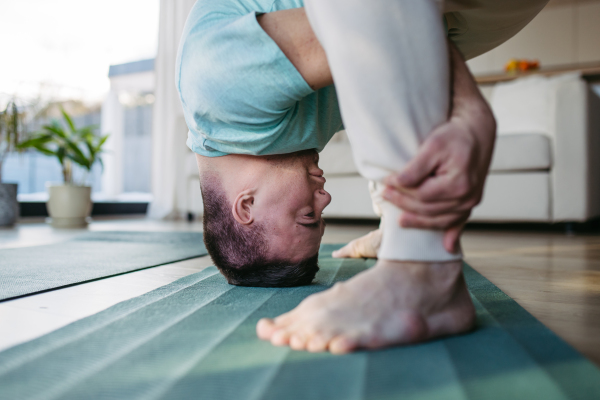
234	78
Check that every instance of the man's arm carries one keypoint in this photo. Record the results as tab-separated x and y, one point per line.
294	36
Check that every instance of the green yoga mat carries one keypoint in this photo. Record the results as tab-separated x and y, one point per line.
195	339
91	256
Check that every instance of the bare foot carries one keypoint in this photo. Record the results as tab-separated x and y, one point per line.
392	303
363	247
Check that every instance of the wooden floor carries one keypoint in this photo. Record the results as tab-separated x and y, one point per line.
554	276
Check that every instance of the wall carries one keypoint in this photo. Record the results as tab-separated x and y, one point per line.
565	32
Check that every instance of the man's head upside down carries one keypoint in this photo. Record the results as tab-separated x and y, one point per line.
248	254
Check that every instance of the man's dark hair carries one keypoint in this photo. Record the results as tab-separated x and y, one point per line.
240	252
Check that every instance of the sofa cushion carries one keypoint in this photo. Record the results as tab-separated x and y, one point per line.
509	197
522	152
336	159
518	152
523	105
528	104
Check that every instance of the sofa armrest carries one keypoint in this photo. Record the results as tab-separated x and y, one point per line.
593	151
575	172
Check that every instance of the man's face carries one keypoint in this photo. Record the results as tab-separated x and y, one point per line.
290	205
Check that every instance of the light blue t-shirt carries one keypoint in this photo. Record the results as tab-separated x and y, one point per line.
240	93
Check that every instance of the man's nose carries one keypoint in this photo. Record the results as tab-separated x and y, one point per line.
324	197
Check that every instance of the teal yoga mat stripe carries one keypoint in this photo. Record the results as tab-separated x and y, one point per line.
195	338
91	256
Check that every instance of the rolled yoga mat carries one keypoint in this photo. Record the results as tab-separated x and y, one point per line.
91	256
195	339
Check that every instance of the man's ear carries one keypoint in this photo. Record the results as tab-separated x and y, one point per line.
243	207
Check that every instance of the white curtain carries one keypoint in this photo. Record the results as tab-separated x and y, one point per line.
169	131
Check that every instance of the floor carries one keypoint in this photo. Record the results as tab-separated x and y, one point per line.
554	276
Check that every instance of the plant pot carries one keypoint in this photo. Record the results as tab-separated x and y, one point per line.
9	206
69	206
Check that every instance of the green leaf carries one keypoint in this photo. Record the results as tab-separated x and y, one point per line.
45	150
60	154
11	126
77	155
101	142
88	131
68	119
35	141
83	162
56	129
91	150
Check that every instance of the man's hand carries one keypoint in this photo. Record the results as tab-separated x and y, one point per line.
444	181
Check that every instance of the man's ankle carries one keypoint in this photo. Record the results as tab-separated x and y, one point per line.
444	272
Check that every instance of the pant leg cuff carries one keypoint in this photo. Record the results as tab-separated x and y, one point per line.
408	244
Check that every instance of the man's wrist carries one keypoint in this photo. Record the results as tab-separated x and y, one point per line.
466	96
468	104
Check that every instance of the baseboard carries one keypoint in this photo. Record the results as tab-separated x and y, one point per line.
38	208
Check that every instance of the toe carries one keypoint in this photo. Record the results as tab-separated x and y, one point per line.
318	343
265	328
280	337
342	345
344	252
363	247
298	341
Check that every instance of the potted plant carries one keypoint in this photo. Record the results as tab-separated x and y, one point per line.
69	204
11	130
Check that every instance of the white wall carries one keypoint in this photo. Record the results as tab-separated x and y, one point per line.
565	32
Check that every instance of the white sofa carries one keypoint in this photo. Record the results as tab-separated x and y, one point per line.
546	164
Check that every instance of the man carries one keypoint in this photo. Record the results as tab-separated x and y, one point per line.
257	96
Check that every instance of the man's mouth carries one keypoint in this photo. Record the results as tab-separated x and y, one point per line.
319	176
318	172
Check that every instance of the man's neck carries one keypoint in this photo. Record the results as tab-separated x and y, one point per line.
235	172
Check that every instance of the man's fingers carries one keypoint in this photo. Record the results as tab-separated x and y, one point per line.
409	220
416	171
443	188
405	202
452	238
